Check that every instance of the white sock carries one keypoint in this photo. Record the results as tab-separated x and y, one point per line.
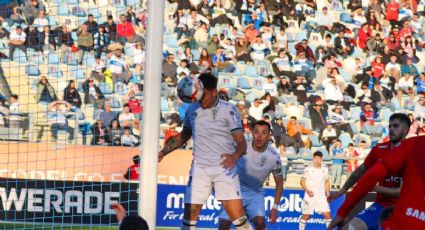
301	226
241	223
328	222
188	224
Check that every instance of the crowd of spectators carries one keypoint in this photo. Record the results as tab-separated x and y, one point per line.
325	74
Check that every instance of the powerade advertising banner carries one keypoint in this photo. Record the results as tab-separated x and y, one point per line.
89	203
170	209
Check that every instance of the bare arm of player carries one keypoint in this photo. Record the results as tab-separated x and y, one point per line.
351	181
229	159
327	187
390	192
175	142
304	186
278	179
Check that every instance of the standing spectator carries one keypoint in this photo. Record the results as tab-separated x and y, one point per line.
32	38
71	95
351	152
85	43
107	115
342	45
128	139
100	133
111	28
65	41
101	41
14	111
91	24
45	91
133	172
325	21
58	121
119	68
125	31
135	105
337	162
318	113
47	40
93	95
392	12
17	40
41	21
126	117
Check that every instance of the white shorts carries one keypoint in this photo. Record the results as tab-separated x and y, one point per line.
253	203
311	204
203	180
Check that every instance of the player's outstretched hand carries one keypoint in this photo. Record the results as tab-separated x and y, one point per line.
273	215
334	196
160	156
228	160
119	210
337	222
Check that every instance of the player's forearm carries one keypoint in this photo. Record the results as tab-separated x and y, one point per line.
303	185
327	187
175	142
278	191
390	192
354	177
240	149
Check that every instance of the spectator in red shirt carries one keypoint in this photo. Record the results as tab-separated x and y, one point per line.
392	12
364	34
125	31
406	31
135	105
133	171
378	68
170	131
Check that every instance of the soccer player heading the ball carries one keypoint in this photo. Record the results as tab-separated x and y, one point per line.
219	142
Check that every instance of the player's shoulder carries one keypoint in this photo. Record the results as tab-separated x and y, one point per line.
194	106
382	146
222	104
273	152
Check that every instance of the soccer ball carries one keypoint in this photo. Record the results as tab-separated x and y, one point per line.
190	89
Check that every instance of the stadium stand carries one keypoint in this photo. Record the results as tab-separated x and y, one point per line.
326	51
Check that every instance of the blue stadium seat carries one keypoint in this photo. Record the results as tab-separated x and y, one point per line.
243	83
301	35
35	58
72	2
172	42
345	139
345	17
95	12
355	113
105	89
53	58
54	71
78	11
238	72
70	59
19	56
258	84
314	141
226	81
164	105
63	11
88	59
32	70
52	21
251	71
74	36
78	74
115	104
120	88
196	54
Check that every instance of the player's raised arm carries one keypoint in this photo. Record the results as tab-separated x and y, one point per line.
278	179
175	142
351	181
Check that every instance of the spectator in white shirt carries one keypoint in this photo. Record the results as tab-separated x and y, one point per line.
15	115
393	68
419	111
118	66
270	87
282	39
41	21
126	118
98	68
333	93
325	21
258	49
128	139
57	119
405	82
256	110
17	40
328	135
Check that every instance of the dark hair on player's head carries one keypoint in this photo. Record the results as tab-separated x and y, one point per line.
294	117
134	223
136	159
404	118
15	96
317	154
262	123
208	80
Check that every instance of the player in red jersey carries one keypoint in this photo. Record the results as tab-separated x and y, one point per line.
387	189
409	212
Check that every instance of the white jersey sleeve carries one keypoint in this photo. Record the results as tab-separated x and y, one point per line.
234	120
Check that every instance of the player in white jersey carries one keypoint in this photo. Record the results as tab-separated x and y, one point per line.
217	132
254	167
315	182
